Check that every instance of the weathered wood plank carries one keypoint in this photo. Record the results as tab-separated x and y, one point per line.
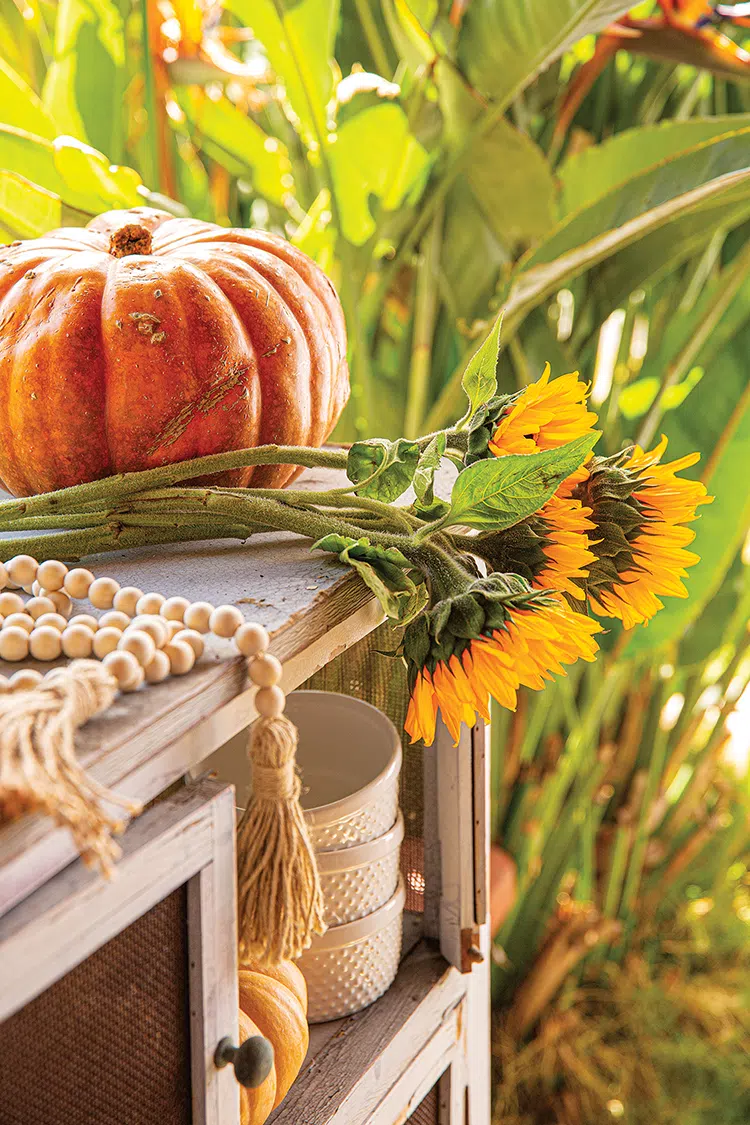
345	1081
74	914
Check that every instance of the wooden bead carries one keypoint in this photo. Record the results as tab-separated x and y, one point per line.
28	589
265	670
156	628
25	679
198	615
106	640
61	602
21	570
102	592
56	620
51	575
251	639
37	607
181	657
225	621
36	589
22	620
45	643
77	642
140	644
85	619
11	603
269	702
136	682
173	628
194	639
127	599
173	609
14	644
114	619
3	576
150	603
124	667
78	582
4	685
159	668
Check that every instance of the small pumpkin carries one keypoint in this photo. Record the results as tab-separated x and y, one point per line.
144	339
273	1003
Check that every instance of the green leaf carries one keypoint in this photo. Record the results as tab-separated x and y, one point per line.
20	106
597	170
374	153
393	462
480	377
497	494
85	84
383	570
237	143
28	211
79	175
424	474
505	44
513	182
707	185
298	39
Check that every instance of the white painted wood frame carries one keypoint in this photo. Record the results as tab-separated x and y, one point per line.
188	838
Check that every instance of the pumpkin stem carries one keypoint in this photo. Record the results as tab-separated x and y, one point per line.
130	239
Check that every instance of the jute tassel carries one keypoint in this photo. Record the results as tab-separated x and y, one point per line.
280	900
39	771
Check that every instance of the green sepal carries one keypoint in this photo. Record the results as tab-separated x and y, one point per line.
384	570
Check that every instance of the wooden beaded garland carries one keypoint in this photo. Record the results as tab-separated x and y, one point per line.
158	636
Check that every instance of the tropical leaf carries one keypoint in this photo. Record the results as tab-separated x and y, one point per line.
85	84
28	211
597	170
374	154
505	44
20	106
709	182
238	143
298	39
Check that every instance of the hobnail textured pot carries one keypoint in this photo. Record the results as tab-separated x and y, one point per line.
358	880
349	757
352	965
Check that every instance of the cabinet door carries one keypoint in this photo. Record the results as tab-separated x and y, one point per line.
125	988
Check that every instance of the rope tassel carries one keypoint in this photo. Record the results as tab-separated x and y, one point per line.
279	894
39	771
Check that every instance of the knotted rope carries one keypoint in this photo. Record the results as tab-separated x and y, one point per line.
39	771
280	898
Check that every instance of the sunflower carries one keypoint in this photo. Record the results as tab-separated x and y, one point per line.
640	507
550	549
545	415
524	638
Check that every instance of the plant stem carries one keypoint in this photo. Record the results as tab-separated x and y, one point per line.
425	314
372	37
110	489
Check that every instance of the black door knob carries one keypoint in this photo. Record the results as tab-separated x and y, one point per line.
252	1061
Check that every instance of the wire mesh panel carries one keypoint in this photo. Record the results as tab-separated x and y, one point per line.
427	1111
370	671
109	1042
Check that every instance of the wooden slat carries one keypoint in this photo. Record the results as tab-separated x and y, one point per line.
371	1051
73	915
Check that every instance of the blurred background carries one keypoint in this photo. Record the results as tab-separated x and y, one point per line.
588	170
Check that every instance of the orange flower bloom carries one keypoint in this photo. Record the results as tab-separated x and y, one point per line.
545	415
532	645
657	558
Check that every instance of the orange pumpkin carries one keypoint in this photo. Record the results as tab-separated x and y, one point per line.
146	339
273	1003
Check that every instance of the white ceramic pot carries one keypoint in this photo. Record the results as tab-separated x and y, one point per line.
350	966
349	756
358	880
